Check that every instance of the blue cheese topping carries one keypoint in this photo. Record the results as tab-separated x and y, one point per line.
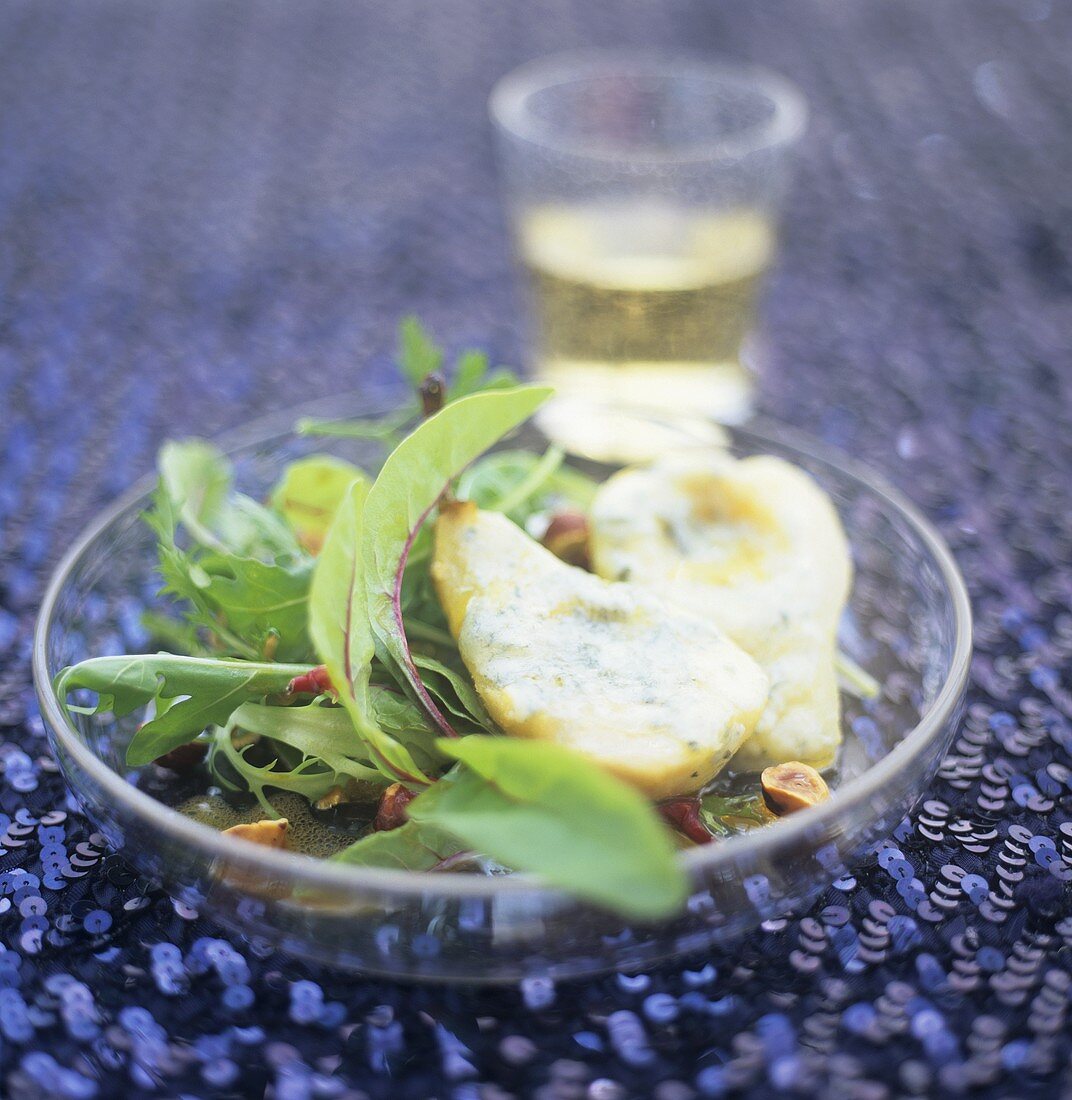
755	547
656	695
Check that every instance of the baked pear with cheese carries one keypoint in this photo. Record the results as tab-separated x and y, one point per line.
755	547
655	695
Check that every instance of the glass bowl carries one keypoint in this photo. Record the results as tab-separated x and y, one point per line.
908	623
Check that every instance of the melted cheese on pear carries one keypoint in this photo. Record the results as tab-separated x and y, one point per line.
655	695
755	547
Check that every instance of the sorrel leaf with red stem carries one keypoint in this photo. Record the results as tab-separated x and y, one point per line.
340	629
412	481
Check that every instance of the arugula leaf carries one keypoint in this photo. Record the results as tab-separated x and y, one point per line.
183	579
340	629
539	807
410	847
241	601
198	693
520	483
308	777
383	429
726	815
454	690
399	717
198	479
471	375
256	597
412	480
175	635
322	733
418	355
469	372
309	493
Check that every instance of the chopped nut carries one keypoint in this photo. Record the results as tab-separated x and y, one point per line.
793	786
185	758
272	834
353	793
330	799
567	538
684	815
392	809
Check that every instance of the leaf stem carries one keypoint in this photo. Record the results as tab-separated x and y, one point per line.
856	680
427	633
382	429
414	675
548	463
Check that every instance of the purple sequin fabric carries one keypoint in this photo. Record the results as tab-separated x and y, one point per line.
210	211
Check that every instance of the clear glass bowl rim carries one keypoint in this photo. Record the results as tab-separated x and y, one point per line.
308	871
508	103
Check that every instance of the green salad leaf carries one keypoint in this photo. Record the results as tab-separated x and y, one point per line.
378	429
311	752
322	732
256	598
520	483
419	356
245	579
471	375
454	690
724	815
341	631
337	569
191	693
409	486
536	806
315	747
199	480
309	494
413	846
173	634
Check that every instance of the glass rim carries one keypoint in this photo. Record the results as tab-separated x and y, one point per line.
508	103
309	871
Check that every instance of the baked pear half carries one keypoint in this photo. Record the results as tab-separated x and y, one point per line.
756	548
654	694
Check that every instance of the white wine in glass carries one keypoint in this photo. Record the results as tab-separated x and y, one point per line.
643	191
645	301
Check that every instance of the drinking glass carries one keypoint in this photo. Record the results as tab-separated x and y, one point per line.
643	193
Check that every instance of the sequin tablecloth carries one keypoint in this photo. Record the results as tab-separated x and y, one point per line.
213	209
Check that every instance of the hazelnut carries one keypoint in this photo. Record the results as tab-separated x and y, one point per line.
793	786
684	815
330	799
271	834
391	812
185	758
567	538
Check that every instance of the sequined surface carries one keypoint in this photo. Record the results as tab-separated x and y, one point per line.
210	211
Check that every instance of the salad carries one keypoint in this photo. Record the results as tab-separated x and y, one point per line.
480	658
